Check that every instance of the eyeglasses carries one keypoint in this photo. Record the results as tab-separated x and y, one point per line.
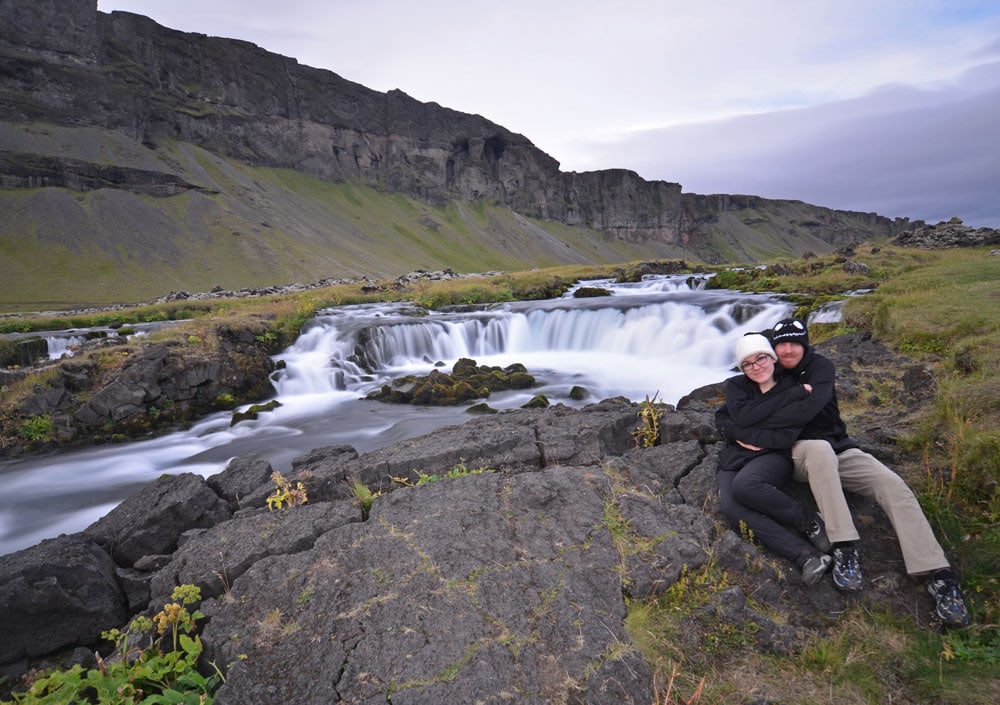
758	361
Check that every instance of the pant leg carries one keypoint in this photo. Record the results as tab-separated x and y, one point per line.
766	530
862	473
816	463
758	485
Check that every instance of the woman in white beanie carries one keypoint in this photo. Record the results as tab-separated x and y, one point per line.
761	419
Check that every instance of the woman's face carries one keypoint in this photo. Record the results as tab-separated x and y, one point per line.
758	367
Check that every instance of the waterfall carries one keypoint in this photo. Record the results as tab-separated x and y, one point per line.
665	336
62	346
668	339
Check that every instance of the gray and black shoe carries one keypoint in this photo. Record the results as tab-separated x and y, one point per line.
847	569
816	533
950	605
815	568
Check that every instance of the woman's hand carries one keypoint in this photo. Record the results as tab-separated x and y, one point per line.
748	446
808	388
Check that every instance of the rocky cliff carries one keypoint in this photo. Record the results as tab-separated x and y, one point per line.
94	101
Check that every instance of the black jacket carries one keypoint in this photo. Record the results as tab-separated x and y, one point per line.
772	420
820	408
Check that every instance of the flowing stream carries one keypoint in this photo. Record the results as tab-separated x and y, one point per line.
664	336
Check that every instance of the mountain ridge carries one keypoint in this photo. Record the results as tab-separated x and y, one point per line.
136	159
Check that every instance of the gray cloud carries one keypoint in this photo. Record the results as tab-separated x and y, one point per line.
898	151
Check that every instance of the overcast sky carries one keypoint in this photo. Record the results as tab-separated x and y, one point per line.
891	106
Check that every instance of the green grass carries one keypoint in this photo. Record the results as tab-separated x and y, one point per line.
940	309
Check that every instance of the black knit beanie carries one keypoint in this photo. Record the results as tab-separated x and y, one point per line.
790	330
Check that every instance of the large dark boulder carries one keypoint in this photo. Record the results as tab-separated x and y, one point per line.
215	557
515	441
242	482
151	521
459	591
58	594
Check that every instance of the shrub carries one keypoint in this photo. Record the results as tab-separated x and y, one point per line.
163	672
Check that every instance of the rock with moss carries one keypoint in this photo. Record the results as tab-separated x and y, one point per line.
467	381
253	412
139	388
539	401
590	292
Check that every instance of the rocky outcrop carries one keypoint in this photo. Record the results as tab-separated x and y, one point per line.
150	388
508	582
466	382
951	233
69	582
21	170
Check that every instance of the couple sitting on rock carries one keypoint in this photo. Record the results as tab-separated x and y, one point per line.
780	421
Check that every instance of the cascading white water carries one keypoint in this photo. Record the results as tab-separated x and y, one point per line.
62	346
661	336
633	344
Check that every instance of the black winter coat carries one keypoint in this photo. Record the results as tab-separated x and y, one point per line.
771	420
820	409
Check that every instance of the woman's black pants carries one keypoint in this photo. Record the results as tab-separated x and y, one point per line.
753	496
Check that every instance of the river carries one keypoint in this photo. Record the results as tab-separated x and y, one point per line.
664	336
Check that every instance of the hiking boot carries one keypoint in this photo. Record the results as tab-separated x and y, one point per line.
814	569
816	533
847	569
950	603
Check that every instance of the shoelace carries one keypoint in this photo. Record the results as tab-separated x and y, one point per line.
944	588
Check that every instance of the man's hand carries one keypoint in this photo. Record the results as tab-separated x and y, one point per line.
748	446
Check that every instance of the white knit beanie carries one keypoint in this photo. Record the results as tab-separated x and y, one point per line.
753	344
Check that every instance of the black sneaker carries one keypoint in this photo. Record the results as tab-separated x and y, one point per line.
816	533
847	569
815	568
950	603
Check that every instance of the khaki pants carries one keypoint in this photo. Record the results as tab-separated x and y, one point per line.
829	474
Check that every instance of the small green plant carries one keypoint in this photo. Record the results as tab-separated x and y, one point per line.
267	338
746	533
37	428
226	400
459	470
363	496
647	434
284	494
162	673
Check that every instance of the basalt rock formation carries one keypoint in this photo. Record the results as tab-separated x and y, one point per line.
466	382
951	233
148	388
117	104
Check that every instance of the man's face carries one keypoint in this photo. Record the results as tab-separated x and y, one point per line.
789	354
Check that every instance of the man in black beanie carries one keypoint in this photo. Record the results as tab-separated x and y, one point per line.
831	462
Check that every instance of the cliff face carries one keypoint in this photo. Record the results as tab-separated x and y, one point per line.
66	64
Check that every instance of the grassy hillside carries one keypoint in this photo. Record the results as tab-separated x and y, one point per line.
245	227
135	222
